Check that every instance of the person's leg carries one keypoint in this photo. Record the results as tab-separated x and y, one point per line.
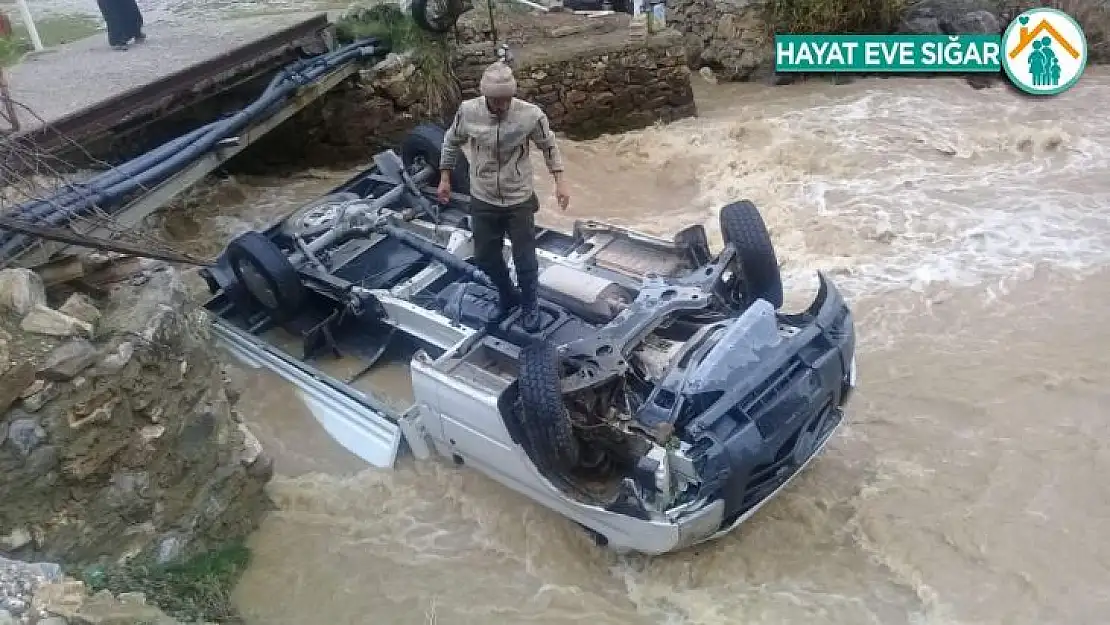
522	234
488	229
135	19
118	32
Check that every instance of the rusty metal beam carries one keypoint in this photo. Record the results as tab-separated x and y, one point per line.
106	115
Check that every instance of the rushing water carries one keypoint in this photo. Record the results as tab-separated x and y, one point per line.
972	232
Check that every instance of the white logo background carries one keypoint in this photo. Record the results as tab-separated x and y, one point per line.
1070	66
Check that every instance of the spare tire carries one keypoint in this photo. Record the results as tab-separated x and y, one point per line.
544	416
425	142
742	227
266	274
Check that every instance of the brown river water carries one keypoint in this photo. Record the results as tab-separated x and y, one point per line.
971	230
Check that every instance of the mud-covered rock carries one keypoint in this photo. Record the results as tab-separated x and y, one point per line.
68	360
13	382
21	291
69	601
25	433
80	306
114	444
49	322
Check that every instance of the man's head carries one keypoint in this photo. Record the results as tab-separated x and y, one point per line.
498	86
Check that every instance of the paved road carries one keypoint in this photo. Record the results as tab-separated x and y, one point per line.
76	75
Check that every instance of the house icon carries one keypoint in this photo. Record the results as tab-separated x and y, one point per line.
1026	37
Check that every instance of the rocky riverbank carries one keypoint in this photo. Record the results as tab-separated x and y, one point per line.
120	446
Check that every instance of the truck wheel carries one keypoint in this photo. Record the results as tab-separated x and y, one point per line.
438	16
743	228
425	143
266	274
544	415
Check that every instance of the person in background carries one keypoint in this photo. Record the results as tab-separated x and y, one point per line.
125	22
499	129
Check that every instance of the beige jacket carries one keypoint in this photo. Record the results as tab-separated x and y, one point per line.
500	167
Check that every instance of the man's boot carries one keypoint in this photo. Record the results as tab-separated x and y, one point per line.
530	309
507	296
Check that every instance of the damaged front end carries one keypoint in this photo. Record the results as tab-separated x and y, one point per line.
731	414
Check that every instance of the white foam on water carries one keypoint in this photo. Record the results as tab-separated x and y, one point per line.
891	189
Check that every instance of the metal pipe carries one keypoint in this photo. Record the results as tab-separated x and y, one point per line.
425	246
281	87
29	22
538	7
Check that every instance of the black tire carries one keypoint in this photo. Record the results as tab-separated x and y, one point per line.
445	24
259	265
742	226
426	142
544	415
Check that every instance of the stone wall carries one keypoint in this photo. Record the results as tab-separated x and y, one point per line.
728	36
588	83
596	85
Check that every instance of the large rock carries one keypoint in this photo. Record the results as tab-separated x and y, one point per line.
21	291
124	442
47	321
79	306
69	360
68	600
951	17
13	382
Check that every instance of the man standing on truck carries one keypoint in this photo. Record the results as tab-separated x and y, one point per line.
499	128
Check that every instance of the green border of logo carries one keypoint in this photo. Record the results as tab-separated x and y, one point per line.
1016	22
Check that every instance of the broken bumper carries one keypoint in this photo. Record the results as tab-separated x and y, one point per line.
781	400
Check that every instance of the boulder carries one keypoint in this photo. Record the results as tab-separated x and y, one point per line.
25	433
13	382
21	291
69	360
50	322
923	17
80	306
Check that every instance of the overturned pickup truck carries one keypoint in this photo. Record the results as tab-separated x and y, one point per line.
661	404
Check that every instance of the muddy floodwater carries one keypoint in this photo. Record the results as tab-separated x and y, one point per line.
971	230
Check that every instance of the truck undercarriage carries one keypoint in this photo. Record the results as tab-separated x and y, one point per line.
663	400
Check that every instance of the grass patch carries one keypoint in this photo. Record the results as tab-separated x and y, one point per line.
430	54
197	589
834	16
54	30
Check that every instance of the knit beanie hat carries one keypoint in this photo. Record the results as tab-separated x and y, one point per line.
497	81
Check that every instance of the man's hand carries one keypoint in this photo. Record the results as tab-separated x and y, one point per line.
443	192
561	194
